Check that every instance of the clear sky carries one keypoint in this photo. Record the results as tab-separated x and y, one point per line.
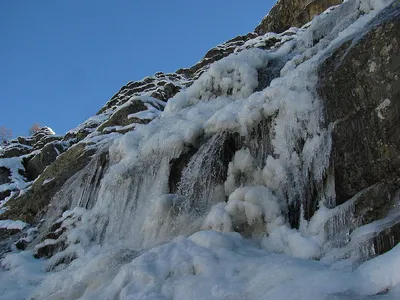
60	61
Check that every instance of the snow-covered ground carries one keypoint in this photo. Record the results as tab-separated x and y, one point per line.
137	242
206	265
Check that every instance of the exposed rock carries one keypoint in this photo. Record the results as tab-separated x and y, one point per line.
121	116
36	165
26	140
5	194
4	175
167	92
360	87
376	202
292	13
21	244
42	132
14	150
27	206
45	140
161	86
83	131
49	249
25	145
176	167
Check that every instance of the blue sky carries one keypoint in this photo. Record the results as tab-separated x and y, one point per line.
60	61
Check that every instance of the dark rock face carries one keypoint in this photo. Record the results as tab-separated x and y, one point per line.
160	86
121	116
4	175
27	206
25	145
50	249
14	150
386	239
292	13
45	140
5	194
360	86
177	165
36	165
376	202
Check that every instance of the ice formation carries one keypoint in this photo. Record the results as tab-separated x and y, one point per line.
132	239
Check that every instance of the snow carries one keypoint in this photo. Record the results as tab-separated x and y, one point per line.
235	75
148	114
17	180
291	242
10	224
48	130
206	265
380	274
48	180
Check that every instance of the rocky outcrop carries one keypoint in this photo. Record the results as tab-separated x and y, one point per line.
160	86
25	145
4	175
292	13
121	116
15	150
35	166
27	206
25	158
